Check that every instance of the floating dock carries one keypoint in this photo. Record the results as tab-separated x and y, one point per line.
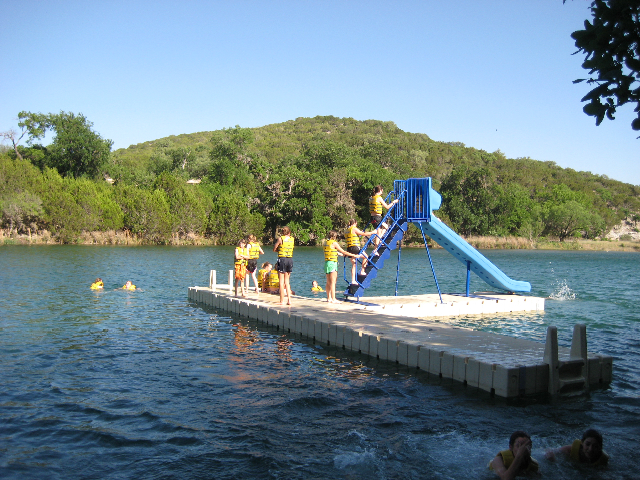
404	330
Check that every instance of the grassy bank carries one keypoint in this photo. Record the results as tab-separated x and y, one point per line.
481	242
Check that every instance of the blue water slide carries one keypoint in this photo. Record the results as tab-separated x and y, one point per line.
478	263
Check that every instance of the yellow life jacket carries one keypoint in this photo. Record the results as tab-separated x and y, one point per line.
603	459
375	207
330	254
131	287
508	457
97	285
317	289
240	261
261	273
273	281
352	237
285	250
254	250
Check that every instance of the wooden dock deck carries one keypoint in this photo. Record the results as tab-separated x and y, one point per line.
404	330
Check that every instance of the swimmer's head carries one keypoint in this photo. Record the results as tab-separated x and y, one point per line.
592	444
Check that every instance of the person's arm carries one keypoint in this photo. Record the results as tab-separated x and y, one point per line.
336	246
363	234
551	454
261	252
384	204
278	242
510	473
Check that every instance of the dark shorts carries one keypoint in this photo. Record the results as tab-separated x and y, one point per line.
285	265
375	220
252	264
355	250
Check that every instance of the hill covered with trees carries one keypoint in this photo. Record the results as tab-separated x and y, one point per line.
312	174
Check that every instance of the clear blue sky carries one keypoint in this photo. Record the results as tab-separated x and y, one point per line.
492	74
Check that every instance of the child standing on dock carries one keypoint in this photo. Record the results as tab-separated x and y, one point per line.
240	266
284	247
252	264
331	251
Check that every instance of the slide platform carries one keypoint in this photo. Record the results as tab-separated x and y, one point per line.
479	264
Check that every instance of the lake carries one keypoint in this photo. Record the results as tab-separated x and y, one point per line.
115	384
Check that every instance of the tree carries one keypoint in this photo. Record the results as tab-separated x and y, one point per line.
15	139
469	198
76	150
188	213
230	218
230	160
146	213
21	210
612	47
566	219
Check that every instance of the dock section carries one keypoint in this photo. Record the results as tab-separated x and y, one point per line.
404	330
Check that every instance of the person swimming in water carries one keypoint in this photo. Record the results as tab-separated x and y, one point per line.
98	284
128	286
587	451
516	461
315	287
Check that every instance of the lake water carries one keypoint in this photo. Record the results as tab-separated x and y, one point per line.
145	384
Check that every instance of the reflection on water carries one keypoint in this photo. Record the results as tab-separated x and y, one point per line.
145	384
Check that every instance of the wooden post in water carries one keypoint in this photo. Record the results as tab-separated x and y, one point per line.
212	279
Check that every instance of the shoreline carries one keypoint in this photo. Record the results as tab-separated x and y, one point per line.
124	238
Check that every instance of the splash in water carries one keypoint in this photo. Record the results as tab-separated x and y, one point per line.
563	292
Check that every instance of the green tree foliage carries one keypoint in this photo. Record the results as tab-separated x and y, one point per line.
566	219
312	174
187	211
21	211
611	43
469	200
230	218
146	212
76	150
231	161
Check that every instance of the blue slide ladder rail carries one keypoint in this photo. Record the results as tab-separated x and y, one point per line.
417	200
414	206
